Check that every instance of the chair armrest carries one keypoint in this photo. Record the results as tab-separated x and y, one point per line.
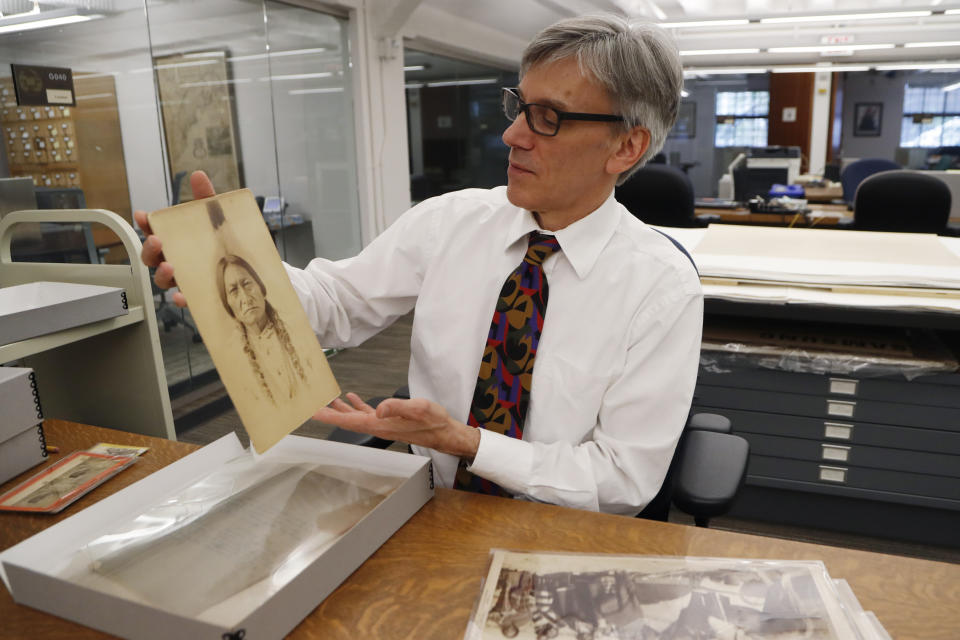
709	422
711	471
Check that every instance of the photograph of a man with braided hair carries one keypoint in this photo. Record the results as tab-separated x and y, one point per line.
263	334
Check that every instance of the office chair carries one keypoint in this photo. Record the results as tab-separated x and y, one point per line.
704	477
856	172
903	201
662	195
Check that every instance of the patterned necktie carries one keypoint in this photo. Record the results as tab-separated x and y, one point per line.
506	370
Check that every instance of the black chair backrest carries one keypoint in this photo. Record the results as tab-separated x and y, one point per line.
659	194
902	201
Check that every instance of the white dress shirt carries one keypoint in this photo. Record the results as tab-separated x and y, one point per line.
617	360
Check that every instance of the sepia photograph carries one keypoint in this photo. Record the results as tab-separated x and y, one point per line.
608	597
63	482
247	313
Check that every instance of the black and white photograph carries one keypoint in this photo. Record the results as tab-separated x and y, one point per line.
247	313
867	119
594	597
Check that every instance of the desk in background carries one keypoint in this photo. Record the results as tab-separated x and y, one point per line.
826	215
424	581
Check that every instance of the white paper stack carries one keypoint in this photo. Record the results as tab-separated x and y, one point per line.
39	308
21	430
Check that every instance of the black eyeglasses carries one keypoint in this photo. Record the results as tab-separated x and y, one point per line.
545	120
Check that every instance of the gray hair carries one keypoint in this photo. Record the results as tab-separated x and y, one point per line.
637	63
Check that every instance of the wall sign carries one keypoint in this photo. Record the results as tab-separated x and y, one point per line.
43	86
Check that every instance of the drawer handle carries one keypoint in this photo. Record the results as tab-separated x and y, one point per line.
837	430
843	386
835	452
833	474
840	408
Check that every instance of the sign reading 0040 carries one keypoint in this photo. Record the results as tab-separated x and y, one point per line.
43	86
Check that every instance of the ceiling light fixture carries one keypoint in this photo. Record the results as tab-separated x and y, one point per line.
845	17
952	87
724	71
950	43
716	52
917	65
44	20
704	23
830	47
457	83
833	68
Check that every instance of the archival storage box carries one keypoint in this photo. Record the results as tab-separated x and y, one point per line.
21	435
246	545
38	308
19	401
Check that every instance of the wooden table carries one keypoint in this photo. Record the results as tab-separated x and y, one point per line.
423	582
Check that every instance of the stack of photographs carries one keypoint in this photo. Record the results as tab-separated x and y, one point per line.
611	597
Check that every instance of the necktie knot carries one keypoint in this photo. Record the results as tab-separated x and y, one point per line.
541	247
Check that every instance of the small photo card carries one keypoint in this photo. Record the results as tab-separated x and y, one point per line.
63	482
111	449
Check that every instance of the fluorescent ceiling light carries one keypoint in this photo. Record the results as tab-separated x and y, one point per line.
457	83
703	23
42	21
918	65
952	12
686	94
950	43
415	67
816	69
301	76
952	87
845	17
277	54
300	92
830	47
414	85
717	52
724	71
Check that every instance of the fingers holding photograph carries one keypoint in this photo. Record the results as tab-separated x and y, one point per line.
247	312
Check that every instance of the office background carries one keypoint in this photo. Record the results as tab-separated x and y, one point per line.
343	113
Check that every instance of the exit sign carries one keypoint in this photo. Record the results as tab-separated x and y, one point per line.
836	39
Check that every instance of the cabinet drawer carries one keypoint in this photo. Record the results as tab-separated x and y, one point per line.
941	390
841	431
829	408
831	453
858	477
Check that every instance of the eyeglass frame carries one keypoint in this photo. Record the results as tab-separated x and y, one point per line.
523	107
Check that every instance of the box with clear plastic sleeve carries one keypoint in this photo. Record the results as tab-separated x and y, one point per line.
223	541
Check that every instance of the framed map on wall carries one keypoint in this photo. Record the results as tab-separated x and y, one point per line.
196	104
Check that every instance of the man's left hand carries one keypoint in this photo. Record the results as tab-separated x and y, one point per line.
416	421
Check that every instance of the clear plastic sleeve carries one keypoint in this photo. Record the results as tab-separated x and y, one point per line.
543	595
862	352
225	543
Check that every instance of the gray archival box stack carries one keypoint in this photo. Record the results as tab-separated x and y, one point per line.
21	431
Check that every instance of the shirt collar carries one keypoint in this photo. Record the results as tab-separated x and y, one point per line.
581	241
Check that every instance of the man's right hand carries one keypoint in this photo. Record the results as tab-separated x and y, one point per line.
152	252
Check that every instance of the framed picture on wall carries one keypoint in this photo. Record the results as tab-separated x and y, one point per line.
197	106
867	118
686	126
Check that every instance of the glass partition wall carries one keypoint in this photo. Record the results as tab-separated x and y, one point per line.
257	94
454	121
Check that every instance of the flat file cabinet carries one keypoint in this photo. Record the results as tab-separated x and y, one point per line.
877	456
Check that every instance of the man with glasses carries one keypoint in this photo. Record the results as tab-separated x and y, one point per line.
594	423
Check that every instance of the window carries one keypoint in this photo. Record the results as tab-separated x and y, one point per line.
742	118
931	117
